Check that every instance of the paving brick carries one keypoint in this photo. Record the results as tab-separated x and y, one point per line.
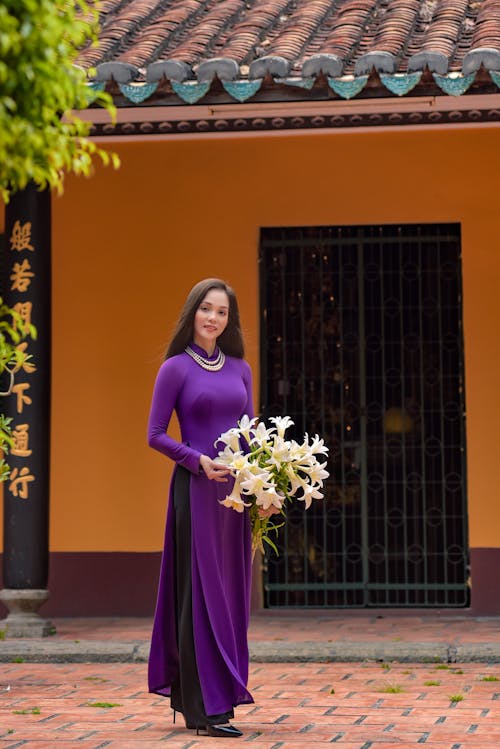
304	637
357	715
305	626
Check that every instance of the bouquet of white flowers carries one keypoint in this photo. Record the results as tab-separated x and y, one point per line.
274	471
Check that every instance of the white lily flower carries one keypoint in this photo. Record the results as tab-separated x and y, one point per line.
317	473
270	498
227	456
241	461
253	468
297	452
305	463
235	503
282	423
256	483
310	492
246	425
272	462
295	480
231	438
302	454
280	452
261	435
318	445
234	499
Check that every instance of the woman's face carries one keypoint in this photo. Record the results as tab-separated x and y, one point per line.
210	319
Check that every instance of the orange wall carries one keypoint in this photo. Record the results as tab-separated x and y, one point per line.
129	244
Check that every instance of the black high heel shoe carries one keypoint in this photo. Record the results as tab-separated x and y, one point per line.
189	725
222	731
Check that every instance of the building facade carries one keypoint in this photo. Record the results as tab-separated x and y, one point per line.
361	237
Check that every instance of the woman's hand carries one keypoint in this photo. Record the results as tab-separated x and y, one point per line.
213	470
269	512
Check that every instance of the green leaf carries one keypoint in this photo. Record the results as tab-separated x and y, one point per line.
268	541
39	82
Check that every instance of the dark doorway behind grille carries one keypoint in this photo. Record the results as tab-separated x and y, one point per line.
362	343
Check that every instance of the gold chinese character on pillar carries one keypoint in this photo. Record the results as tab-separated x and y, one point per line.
21	276
22	398
21	437
23	309
19	481
21	237
24	364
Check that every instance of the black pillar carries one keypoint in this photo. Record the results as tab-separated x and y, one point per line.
27	282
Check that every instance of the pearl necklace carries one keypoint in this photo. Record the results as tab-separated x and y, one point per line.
210	366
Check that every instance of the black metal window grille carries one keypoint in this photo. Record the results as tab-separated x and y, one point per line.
361	341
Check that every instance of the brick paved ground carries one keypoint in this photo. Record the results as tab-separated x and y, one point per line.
311	625
298	706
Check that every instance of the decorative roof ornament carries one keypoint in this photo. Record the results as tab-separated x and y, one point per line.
487	57
96	87
382	62
348	86
121	72
174	70
400	83
454	84
306	83
242	90
222	68
495	77
327	64
137	92
272	65
435	61
190	91
248	46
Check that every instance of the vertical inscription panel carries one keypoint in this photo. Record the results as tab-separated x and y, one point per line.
27	289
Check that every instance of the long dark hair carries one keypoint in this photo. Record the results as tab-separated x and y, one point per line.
230	341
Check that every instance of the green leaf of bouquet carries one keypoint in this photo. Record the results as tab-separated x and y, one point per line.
274	527
271	544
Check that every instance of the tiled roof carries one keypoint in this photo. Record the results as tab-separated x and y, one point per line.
185	46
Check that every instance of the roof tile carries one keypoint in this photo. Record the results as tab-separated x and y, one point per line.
124	25
198	40
160	32
487	28
343	32
435	44
250	33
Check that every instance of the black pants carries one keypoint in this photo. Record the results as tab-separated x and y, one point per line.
186	696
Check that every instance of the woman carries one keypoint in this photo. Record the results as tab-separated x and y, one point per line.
199	649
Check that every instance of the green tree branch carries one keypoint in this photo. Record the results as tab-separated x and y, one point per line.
40	90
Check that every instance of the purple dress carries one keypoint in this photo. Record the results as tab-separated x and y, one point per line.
207	404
